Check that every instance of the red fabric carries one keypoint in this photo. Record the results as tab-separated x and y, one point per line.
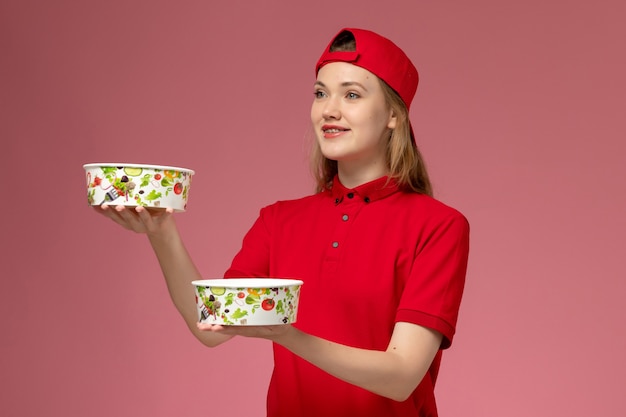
397	257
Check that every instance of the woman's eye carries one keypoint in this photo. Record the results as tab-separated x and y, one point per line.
319	94
352	96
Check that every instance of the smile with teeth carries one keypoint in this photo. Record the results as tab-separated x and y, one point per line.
329	130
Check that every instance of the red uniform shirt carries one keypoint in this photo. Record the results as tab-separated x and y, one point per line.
369	257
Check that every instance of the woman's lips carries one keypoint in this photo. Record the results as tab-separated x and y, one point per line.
331	131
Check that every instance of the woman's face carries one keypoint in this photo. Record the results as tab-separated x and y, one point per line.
350	117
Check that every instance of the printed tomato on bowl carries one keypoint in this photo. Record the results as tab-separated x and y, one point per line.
247	301
153	186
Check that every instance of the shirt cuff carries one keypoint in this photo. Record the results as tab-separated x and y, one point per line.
426	320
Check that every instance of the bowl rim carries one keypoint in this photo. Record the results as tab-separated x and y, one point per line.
247	282
143	166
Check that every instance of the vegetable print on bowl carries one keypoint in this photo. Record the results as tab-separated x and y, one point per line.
153	186
247	301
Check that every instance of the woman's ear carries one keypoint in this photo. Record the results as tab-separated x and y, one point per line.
393	119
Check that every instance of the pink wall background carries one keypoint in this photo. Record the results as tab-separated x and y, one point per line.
520	114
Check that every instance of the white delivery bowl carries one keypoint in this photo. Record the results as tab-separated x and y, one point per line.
153	186
247	301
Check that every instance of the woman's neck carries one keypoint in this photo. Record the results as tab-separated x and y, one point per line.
352	176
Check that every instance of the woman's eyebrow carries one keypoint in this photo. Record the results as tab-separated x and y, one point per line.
343	84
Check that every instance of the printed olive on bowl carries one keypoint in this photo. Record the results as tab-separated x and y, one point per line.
247	301
154	186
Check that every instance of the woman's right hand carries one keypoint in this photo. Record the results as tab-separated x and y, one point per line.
138	219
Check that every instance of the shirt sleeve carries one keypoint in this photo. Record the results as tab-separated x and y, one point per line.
252	260
433	292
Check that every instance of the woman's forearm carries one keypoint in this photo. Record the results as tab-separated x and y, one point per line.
394	373
179	271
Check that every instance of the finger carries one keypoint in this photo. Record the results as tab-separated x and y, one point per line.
157	213
151	220
103	210
106	211
131	219
209	327
155	218
147	219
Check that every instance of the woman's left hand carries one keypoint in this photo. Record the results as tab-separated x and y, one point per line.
271	332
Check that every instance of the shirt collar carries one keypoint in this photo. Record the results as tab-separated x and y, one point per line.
368	192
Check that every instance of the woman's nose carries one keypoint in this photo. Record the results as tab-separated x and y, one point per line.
331	110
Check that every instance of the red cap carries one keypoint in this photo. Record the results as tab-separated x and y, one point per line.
379	56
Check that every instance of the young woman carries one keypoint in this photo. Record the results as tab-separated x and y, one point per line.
383	262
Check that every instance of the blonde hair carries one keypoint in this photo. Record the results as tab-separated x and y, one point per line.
405	163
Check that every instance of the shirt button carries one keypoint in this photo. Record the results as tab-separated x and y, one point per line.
366	199
344	217
335	244
350	195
